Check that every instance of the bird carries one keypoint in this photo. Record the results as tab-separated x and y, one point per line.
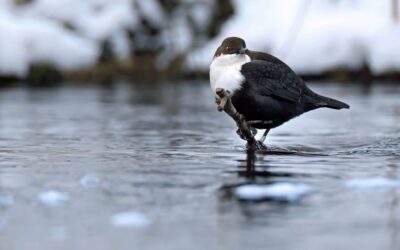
265	90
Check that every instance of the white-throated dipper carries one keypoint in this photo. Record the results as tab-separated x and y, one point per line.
263	89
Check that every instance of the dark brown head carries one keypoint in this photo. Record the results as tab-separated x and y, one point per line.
231	45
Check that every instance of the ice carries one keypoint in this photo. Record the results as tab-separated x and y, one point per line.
53	198
90	180
283	191
6	200
372	183
130	219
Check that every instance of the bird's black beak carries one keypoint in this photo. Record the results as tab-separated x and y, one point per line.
243	50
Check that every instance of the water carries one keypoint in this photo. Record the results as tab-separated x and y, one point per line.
165	163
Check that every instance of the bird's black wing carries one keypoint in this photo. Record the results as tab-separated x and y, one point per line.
273	79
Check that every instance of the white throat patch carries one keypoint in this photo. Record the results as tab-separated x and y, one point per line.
225	72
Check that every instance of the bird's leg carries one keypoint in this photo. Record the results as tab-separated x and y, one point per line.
262	139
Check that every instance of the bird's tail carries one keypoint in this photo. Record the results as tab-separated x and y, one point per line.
322	101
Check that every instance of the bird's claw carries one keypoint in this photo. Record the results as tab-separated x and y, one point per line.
217	100
240	133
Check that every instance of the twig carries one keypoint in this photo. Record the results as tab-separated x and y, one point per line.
224	103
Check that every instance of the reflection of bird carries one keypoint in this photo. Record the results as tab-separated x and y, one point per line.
263	88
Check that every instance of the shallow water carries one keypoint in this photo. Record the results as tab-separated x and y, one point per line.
156	166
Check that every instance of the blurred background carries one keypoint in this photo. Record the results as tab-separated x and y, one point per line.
102	40
110	138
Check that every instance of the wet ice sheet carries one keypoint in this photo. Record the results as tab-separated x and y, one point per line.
164	151
372	183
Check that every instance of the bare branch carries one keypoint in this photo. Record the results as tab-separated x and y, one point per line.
225	104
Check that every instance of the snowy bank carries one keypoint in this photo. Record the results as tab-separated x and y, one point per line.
75	34
314	36
311	36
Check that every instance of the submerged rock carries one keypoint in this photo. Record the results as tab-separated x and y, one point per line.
288	192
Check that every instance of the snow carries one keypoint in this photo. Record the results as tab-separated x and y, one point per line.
130	219
372	183
90	180
36	32
311	36
331	34
384	50
288	192
153	12
53	198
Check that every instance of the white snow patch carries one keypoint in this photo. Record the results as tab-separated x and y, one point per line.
36	32
28	40
383	54
153	12
53	198
130	219
90	180
372	183
289	192
108	21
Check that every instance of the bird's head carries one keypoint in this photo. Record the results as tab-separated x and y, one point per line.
231	46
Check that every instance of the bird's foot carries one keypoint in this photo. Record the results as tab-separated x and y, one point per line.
240	133
221	102
217	100
261	146
253	131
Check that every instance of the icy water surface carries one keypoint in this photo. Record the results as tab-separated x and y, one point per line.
157	167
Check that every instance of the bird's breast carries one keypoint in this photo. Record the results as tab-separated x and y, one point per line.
227	75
